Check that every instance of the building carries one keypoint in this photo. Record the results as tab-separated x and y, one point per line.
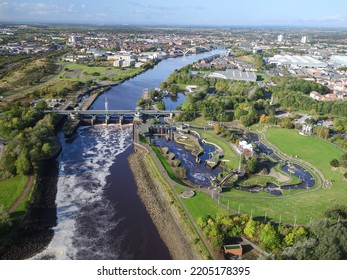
339	59
232	74
122	55
124	63
297	61
304	40
234	250
75	39
330	97
315	95
280	38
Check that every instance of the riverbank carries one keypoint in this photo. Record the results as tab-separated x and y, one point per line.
163	213
33	223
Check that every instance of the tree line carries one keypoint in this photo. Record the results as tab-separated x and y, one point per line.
30	136
323	239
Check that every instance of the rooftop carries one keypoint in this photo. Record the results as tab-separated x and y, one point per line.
297	60
232	74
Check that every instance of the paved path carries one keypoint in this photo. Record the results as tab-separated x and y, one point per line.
24	193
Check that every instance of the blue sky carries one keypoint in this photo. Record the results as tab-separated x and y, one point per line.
332	13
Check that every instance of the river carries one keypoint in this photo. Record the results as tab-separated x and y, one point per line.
98	212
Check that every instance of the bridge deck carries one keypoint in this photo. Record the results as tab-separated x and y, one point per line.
115	112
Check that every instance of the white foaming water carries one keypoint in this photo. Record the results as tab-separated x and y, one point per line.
84	215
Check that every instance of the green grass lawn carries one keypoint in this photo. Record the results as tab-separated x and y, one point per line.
11	189
202	205
305	205
82	72
229	154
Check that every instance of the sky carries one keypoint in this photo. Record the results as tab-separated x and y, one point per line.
306	13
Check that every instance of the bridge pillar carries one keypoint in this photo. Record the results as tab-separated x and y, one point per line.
93	119
121	120
107	119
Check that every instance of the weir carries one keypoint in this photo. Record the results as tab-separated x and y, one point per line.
115	114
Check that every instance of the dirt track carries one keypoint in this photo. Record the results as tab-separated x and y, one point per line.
164	216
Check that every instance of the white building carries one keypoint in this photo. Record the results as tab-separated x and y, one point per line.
280	38
124	63
304	40
297	61
232	74
339	59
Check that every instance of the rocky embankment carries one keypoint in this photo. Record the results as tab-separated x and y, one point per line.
164	215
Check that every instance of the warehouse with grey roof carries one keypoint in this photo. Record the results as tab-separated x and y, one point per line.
231	74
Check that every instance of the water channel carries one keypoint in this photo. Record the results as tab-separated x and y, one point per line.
197	173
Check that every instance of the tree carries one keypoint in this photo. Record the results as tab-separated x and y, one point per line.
343	160
322	132
326	242
250	228
294	235
47	148
217	129
4	217
334	163
42	105
336	212
263	118
269	237
203	221
252	165
23	164
238	113
287	123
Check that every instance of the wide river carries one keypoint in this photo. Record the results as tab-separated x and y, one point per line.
98	212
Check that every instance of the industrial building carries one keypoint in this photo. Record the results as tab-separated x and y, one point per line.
339	59
297	61
232	74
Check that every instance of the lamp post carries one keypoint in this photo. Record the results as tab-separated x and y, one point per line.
220	120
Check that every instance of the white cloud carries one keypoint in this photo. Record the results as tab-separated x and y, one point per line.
4	4
337	17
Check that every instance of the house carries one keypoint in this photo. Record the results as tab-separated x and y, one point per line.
329	97
234	250
315	95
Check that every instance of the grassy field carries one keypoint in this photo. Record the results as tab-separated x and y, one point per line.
83	73
11	189
202	205
305	205
232	160
247	58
